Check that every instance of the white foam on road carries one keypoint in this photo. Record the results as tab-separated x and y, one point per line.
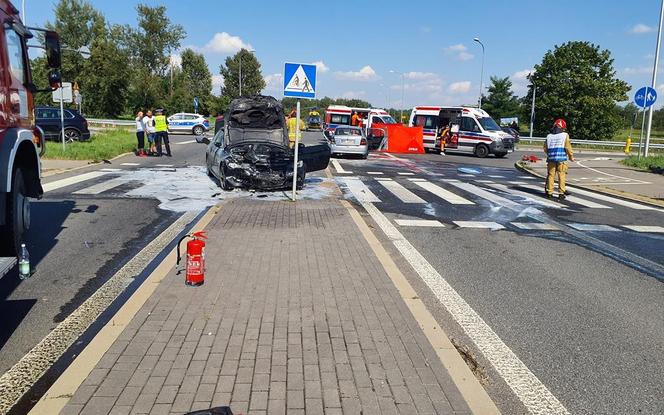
644	228
536	226
359	190
338	168
403	194
422	223
592	227
532	198
477	191
478	225
179	143
526	386
444	194
58	184
574	199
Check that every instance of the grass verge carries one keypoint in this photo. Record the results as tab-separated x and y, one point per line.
102	146
654	164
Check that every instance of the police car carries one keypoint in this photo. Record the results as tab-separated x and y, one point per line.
184	122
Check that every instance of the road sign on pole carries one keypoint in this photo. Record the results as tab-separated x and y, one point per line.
645	97
196	104
64	93
300	80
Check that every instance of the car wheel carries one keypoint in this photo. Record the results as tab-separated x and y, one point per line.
501	155
481	151
18	217
198	130
72	134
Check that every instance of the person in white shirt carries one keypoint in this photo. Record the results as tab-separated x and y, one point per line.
148	122
140	134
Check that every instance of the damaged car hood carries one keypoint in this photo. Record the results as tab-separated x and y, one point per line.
275	136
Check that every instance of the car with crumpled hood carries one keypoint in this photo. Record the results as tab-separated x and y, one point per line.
252	150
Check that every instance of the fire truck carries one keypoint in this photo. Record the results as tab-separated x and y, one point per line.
21	141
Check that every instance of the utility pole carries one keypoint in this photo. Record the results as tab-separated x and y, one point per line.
654	77
532	107
479	101
240	71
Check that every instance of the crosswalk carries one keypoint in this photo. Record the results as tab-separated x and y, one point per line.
480	197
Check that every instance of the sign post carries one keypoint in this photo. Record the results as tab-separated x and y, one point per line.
645	97
299	82
62	95
196	105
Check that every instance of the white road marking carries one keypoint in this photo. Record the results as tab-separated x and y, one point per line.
405	173
48	187
375	173
533	198
497	177
527	178
478	225
591	227
417	180
179	143
419	223
614	200
526	386
644	228
574	199
95	189
536	226
516	183
339	169
610	175
444	194
360	190
130	164
110	170
164	165
401	192
467	175
477	191
485	181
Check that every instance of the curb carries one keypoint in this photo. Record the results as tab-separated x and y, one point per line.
59	171
600	189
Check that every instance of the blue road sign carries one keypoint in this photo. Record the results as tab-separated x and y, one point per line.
645	97
196	104
300	80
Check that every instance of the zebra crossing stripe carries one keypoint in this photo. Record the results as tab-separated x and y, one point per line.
339	169
95	189
444	194
360	191
477	191
423	223
478	225
649	229
534	198
401	192
614	200
592	227
536	226
574	199
58	184
375	173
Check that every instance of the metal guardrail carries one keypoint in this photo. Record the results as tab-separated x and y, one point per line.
635	144
109	123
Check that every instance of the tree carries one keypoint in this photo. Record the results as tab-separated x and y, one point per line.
501	102
576	81
252	80
197	78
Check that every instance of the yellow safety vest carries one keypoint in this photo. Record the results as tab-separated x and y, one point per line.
160	124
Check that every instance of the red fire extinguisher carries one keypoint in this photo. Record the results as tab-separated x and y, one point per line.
195	268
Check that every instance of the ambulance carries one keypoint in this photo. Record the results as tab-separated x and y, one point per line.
372	118
472	130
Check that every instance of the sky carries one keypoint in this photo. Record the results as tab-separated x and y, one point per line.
356	44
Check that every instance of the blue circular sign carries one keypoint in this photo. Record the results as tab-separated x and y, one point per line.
645	97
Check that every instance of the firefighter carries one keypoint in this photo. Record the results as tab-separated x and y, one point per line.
355	119
161	132
292	126
558	150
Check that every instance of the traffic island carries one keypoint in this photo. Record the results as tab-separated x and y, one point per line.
297	314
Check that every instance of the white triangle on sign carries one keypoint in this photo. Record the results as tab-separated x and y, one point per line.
299	82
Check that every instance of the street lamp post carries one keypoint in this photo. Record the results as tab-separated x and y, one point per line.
654	78
403	84
240	71
532	107
479	101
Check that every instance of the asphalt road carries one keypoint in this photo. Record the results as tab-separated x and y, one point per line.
583	318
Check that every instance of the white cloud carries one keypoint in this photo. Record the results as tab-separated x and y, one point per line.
460	87
367	73
274	82
641	70
217	83
421	82
419	76
353	94
459	52
176	60
641	28
225	43
321	67
520	82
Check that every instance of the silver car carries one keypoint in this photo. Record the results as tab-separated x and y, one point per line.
348	140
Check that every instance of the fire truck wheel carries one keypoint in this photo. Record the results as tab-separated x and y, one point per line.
18	217
481	151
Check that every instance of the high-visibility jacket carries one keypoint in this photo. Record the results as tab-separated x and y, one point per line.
160	124
557	147
292	125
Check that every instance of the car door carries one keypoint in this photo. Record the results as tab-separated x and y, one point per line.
48	119
175	122
468	125
216	149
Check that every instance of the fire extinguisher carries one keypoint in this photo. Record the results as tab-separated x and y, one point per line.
195	267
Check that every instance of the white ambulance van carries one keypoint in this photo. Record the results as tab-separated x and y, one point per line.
472	130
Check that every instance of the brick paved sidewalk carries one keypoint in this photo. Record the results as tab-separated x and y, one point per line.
296	316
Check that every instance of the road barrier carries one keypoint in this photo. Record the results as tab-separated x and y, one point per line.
620	144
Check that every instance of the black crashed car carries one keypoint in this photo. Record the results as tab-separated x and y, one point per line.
76	126
252	151
511	131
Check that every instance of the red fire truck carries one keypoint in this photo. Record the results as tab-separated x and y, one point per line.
21	141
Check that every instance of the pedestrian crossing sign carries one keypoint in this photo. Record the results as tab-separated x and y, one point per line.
300	80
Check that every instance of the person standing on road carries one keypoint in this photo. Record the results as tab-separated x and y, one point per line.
140	134
161	131
148	123
558	150
292	126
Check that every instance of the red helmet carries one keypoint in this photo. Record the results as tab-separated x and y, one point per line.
560	123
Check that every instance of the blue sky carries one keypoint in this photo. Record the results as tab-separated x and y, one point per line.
357	43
